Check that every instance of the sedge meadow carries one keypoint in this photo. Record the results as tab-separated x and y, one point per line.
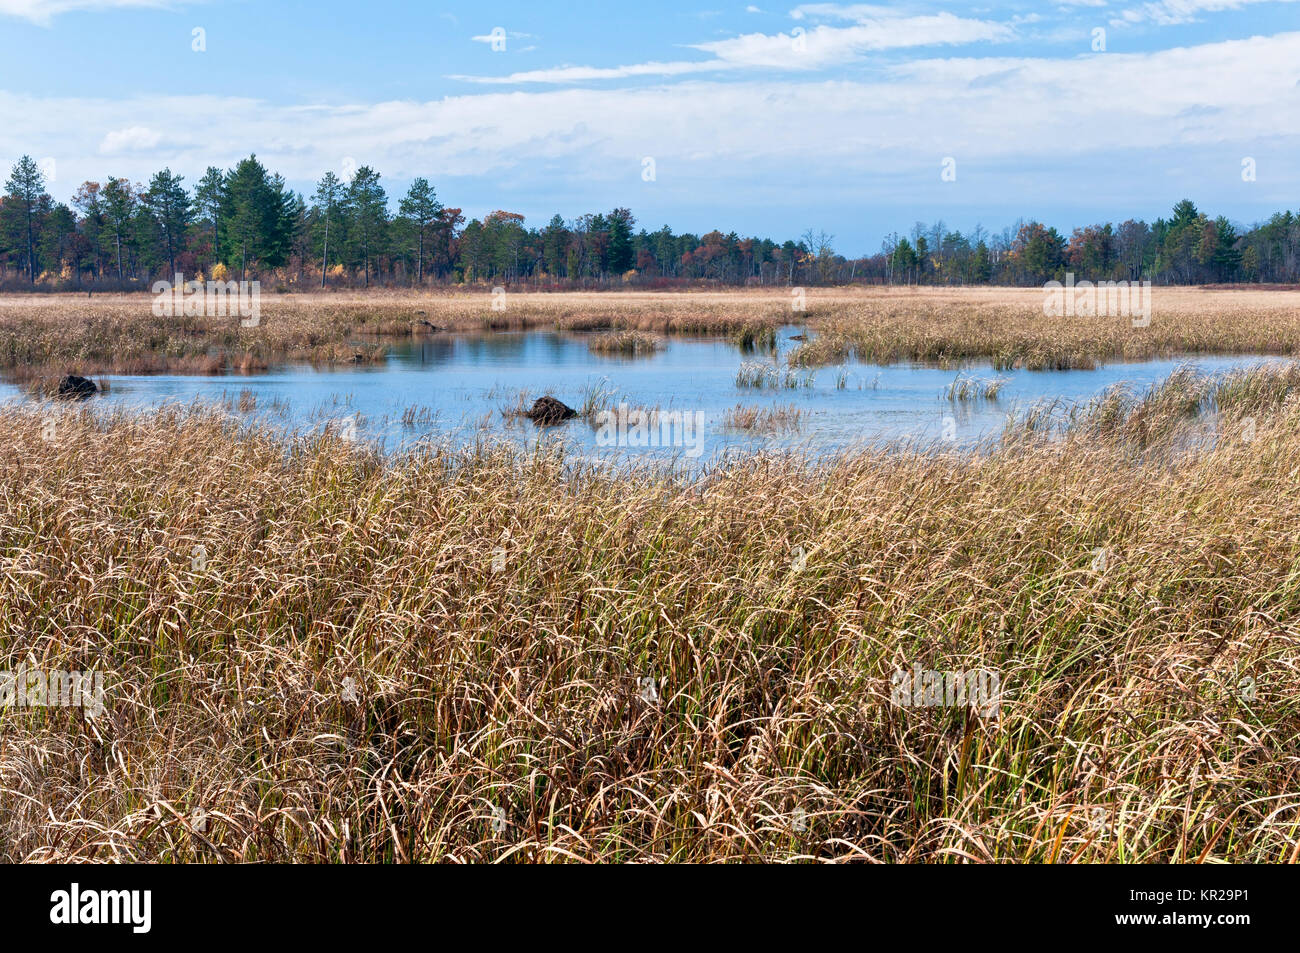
498	648
524	433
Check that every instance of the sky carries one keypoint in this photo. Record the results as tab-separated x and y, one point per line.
854	119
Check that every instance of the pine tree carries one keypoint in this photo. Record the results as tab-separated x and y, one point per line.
168	205
26	187
325	206
87	201
259	214
422	208
209	197
619	252
119	215
368	204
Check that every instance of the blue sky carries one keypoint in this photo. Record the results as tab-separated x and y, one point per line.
760	118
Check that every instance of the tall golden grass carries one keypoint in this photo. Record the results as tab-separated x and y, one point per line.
118	334
1008	327
489	655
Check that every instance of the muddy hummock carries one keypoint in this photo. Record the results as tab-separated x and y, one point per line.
547	410
73	387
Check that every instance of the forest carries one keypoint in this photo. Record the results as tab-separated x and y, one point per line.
246	223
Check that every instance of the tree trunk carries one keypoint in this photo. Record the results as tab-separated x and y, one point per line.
325	253
31	258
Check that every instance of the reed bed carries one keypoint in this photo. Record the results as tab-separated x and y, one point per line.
1008	327
1188	405
118	334
966	388
755	337
779	419
627	343
315	653
762	375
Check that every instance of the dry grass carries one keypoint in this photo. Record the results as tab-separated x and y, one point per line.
966	388
627	343
118	334
762	375
1008	326
444	656
779	419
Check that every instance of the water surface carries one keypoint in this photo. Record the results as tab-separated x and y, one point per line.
455	386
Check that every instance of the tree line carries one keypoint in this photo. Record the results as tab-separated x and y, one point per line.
244	223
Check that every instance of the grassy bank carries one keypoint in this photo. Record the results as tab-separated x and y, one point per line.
1010	330
315	654
42	335
118	334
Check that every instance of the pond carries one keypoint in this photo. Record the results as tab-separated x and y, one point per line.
455	386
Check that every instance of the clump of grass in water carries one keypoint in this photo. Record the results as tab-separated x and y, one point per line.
755	337
597	397
763	375
627	416
419	415
1172	409
625	342
244	403
756	375
965	388
764	419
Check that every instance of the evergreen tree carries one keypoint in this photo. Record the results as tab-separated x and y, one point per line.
620	256
259	214
87	201
209	198
422	208
168	205
325	205
368	207
26	188
119	215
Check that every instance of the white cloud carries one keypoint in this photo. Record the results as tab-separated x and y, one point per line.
800	50
841	11
43	12
826	46
1229	98
132	139
1174	12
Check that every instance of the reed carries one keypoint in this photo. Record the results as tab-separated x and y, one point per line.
628	343
966	388
768	420
118	334
490	654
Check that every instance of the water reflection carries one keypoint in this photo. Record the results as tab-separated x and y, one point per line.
454	386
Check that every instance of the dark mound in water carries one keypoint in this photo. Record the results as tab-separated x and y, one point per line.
73	387
547	411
